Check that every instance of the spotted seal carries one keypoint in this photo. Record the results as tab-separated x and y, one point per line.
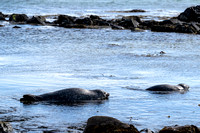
70	95
167	87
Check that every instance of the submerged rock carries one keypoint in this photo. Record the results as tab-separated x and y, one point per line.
180	129
105	124
17	27
131	11
5	127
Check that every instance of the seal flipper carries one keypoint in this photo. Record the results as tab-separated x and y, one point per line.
29	98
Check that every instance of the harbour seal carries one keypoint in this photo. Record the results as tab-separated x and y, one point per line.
167	87
70	95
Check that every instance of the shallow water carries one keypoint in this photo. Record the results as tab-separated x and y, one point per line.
36	60
40	59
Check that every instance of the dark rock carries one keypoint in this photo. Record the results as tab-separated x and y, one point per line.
74	26
104	124
116	27
148	24
16	27
1	25
94	17
132	11
84	21
146	131
164	28
65	19
129	22
135	10
190	14
2	16
188	28
171	21
5	127
37	20
180	129
18	18
96	20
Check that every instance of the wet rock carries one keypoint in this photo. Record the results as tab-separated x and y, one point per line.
173	25
2	16
164	28
128	22
105	124
132	11
116	27
188	28
94	17
16	27
5	127
37	20
148	24
146	130
80	26
180	129
190	14
83	21
65	19
96	20
18	18
171	21
135	10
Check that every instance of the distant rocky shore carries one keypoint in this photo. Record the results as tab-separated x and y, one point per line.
187	22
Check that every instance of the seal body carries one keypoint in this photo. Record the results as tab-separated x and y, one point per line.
70	95
167	87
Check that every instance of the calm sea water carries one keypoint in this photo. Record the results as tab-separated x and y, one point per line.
40	59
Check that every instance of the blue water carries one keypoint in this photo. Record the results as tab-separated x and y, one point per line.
40	59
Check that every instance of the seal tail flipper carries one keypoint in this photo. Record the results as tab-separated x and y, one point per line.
29	98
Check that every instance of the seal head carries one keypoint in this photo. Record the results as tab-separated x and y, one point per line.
184	86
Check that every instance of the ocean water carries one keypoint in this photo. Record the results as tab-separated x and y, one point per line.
40	59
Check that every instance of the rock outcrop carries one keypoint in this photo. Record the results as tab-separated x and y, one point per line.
180	129
105	124
5	127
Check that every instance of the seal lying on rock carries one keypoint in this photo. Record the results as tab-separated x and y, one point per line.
71	95
167	87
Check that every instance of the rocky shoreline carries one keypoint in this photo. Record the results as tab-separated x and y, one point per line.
106	124
187	22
